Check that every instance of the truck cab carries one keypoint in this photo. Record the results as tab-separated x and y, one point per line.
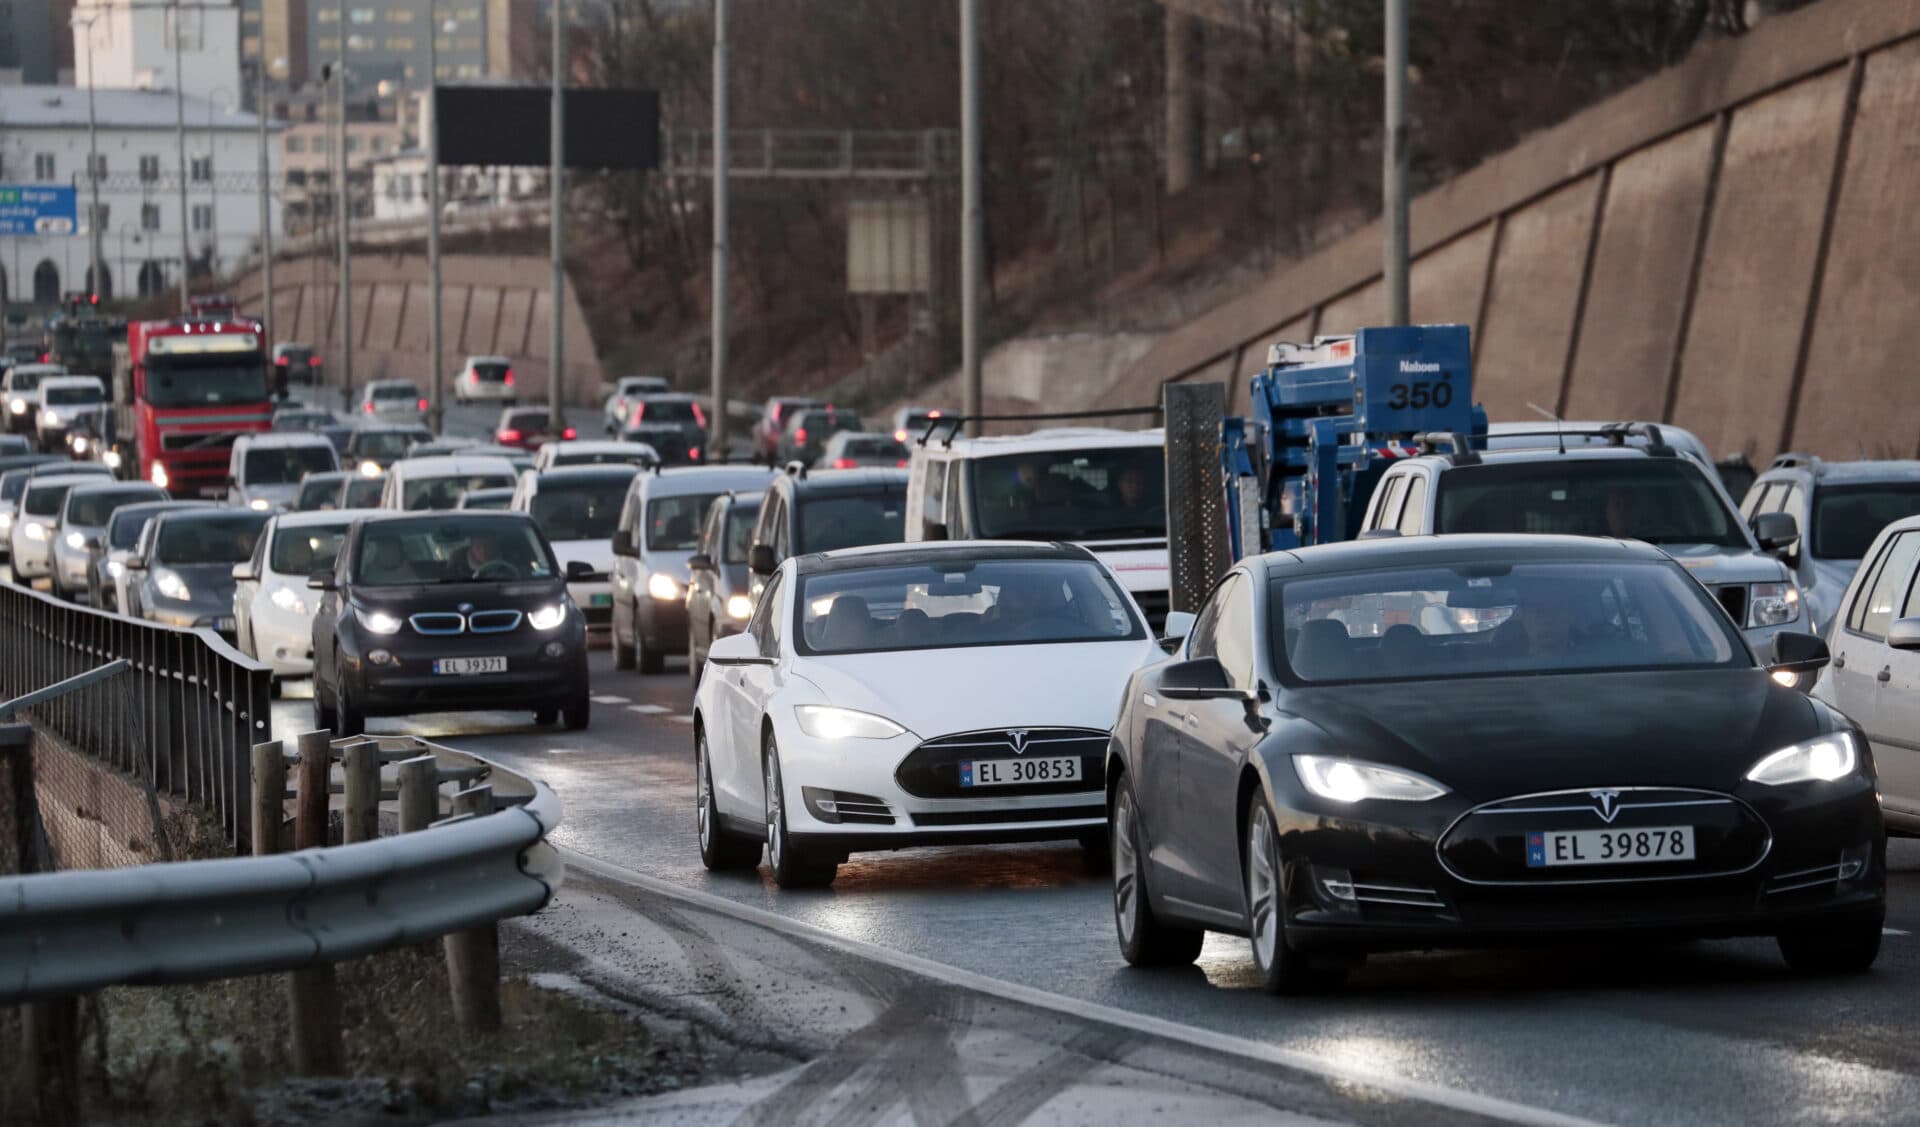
183	391
1099	487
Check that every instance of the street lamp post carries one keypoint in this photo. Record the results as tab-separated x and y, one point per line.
180	142
722	162
432	143
346	221
266	197
94	234
1398	162
556	219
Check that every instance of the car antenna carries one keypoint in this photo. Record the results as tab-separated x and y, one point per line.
1559	425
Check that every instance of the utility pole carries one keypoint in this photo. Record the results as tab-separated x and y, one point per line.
1398	163
970	218
266	200
557	220
346	222
432	140
180	141
722	163
94	234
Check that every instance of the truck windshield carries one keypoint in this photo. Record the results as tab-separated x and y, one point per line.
83	339
206	384
1116	493
287	464
1658	500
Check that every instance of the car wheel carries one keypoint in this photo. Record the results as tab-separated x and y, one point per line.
1144	940
721	849
578	712
351	722
623	655
1832	949
648	658
1283	969
275	688
792	866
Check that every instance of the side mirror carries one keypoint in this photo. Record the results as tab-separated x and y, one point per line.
1795	655
136	563
760	560
623	543
700	561
1201	679
322	581
1179	624
1776	532
1904	634
737	649
243	572
579	569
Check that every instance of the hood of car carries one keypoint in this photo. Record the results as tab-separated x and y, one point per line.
1712	564
273	494
208	585
1488	737
598	553
940	692
526	595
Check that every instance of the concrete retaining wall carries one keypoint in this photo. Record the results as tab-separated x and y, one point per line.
1723	246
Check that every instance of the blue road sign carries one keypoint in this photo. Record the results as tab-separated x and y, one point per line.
34	209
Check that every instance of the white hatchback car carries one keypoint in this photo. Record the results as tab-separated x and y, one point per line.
591	453
393	401
905	695
437	482
272	607
486	379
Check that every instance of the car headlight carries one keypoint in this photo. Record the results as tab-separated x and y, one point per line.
546	618
1772	604
116	569
1817	760
259	504
36	532
370	468
6	522
76	541
18	406
378	621
825	722
168	583
286	600
1351	780
50	417
739	607
159	475
663	587
111	459
79	444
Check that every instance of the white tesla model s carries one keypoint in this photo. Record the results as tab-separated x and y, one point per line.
906	695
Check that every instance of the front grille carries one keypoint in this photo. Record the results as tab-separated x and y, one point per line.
1733	596
839	806
994	817
932	770
1488	844
1387	894
1154	605
438	623
199	440
493	621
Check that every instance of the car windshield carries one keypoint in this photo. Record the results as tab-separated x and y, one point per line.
588	510
488	499
317	493
396	391
673	523
740	522
44	500
22	380
1492	619
1084	494
390	444
183	383
226	538
90	508
307	549
13	483
1846	518
69	396
1659	500
284	465
444	492
850	520
362	492
451	549
825	424
123	530
962	602
668	411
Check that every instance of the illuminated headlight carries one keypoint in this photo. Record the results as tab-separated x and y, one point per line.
663	587
825	722
370	468
739	607
36	532
116	569
112	459
6	522
286	600
159	475
1351	780
259	504
79	444
76	541
378	621
1818	760
17	406
50	417
1772	604
169	583
547	618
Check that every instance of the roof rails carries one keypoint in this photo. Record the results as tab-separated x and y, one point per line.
795	469
1616	434
953	422
1460	451
1794	460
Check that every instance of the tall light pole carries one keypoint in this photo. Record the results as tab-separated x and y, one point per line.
346	221
556	222
722	163
1398	162
266	198
432	142
94	234
180	141
970	218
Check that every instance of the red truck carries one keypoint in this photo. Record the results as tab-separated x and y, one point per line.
183	390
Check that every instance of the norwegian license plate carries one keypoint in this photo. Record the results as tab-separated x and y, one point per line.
604	599
1011	772
1548	849
467	666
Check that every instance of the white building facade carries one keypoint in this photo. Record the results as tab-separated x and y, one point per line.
44	141
129	44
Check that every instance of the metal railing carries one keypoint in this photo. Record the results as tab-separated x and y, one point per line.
816	154
180	718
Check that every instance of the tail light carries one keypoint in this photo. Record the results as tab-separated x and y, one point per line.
902	463
509	435
367	407
509	380
800	435
423	404
843	463
569	433
313	361
281	362
693	453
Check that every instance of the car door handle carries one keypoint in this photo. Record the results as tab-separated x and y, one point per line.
1885	675
1839	661
1176	714
1190	720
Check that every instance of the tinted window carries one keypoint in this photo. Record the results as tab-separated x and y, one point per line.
673	523
491	373
384	444
308	549
91	507
44	500
205	383
224	539
579	511
849	520
63	396
668	411
962	603
874	448
450	549
739	534
396	391
444	492
1072	494
535	420
1233	636
1846	518
601	458
285	465
1888	587
1659	500
362	492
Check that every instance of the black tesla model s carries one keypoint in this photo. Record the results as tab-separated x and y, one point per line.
449	611
1481	741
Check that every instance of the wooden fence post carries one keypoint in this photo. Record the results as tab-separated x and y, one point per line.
313	994
419	793
473	955
269	796
361	765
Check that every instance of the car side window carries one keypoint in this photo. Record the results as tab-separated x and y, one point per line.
1756	500
1793	502
258	565
780	523
1200	640
1387	514
765	624
1874	609
1413	511
933	505
1233	632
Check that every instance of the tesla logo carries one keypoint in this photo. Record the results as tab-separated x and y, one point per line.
1606	803
1018	739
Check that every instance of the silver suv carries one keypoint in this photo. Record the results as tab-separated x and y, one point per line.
1842	506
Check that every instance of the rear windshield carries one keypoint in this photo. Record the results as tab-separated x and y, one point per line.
451	549
492	499
90	508
308	549
66	396
873	448
492	373
673	523
602	458
668	411
318	493
527	420
384	443
1846	518
44	500
1659	500
224	539
362	492
962	603
285	465
397	391
851	520
583	511
444	492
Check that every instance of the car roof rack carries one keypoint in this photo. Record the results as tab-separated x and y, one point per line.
1794	459
796	469
1460	451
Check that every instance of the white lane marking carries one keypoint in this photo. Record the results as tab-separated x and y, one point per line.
1337	1071
608	698
1893	931
688	719
648	709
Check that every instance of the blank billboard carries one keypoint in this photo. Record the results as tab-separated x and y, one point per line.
617	130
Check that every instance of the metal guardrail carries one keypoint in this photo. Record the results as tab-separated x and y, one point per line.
181	718
816	154
68	932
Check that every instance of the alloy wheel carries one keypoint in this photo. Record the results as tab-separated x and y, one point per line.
776	813
1126	870
705	813
1263	888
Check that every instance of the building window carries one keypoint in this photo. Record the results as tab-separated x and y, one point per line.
43	167
329	15
296	144
149	169
399	43
362	15
399	15
200	169
203	217
353	144
149	217
379	144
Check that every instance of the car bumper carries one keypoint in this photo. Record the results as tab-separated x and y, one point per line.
662	623
32	559
595	601
492	392
282	640
71	568
532	680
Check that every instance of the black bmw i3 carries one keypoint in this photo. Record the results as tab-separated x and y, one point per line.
1481	741
441	612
